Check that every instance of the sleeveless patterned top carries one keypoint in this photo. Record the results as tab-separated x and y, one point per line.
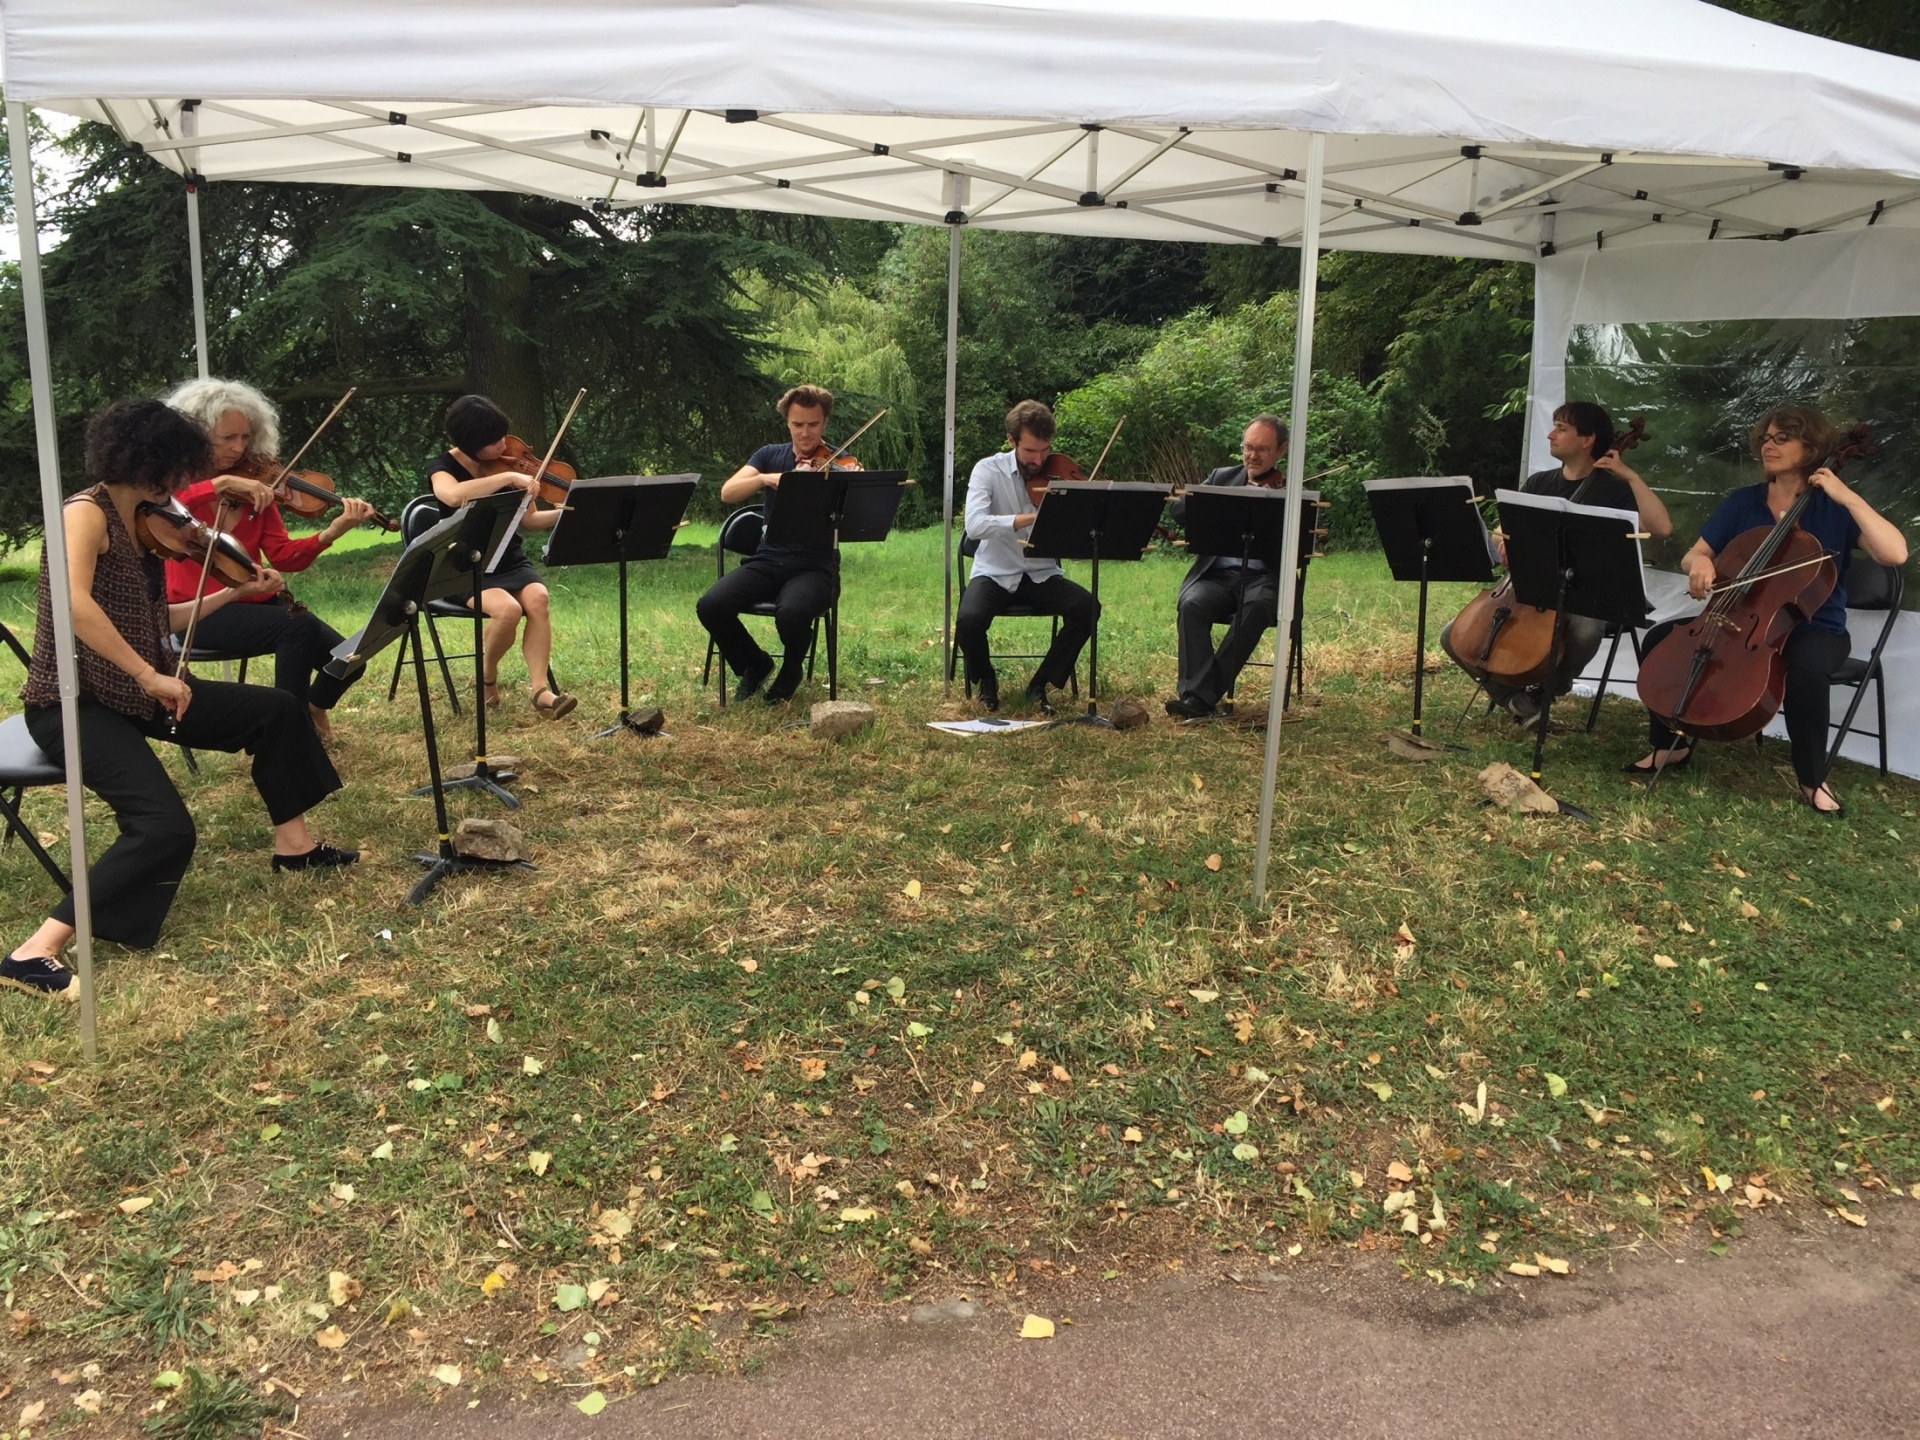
130	585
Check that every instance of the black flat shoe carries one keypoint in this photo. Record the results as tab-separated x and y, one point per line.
1634	767
1838	812
1182	709
1037	697
989	696
38	975
318	858
750	684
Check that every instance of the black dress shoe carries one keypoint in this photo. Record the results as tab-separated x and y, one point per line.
988	692
781	690
320	857
1037	697
751	682
1181	708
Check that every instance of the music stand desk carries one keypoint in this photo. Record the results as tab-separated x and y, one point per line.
1431	529
609	520
1096	520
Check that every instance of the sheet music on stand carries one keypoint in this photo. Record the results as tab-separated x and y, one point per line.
814	509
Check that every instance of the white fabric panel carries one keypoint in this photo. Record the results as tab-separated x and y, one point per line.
1853	275
1900	660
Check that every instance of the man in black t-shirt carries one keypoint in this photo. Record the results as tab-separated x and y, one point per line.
801	581
1590	472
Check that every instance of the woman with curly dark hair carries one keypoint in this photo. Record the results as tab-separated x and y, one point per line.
142	450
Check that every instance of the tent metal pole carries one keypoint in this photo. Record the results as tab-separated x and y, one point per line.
39	366
1296	476
189	116
946	506
199	280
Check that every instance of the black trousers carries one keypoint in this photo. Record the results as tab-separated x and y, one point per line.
985	600
300	646
1206	673
134	881
1812	656
801	593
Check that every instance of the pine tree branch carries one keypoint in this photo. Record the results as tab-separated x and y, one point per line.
375	389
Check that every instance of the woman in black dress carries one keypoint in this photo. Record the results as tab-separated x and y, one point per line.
512	589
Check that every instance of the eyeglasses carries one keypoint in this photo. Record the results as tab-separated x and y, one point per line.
1775	437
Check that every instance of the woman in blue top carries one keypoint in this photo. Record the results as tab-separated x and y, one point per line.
1791	442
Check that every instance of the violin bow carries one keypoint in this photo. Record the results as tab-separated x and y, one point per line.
180	666
339	405
840	450
1095	473
554	445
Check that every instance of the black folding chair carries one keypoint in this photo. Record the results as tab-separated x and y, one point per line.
23	765
1870	586
969	547
1296	658
740	534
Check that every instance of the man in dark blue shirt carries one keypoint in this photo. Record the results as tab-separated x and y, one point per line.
801	581
1792	443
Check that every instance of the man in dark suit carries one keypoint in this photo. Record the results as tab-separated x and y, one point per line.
1218	588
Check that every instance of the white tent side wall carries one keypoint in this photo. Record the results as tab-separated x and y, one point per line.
1857	275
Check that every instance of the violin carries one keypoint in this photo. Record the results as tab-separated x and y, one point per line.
556	478
307	493
1057	466
1499	641
1723	676
173	534
834	460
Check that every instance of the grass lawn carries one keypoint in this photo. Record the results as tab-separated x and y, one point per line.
777	1020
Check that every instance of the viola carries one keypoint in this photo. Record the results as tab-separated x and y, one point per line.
1496	639
1057	466
556	478
1724	675
306	493
173	534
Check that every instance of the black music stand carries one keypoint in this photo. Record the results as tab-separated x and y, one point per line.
1096	520
814	509
435	565
484	527
612	519
1574	560
1431	530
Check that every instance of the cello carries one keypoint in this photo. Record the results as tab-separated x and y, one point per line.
1496	639
1723	675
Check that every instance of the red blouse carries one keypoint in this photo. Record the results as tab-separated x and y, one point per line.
264	537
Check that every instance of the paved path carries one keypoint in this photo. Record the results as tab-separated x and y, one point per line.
1804	1331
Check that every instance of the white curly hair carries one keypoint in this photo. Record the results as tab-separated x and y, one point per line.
205	402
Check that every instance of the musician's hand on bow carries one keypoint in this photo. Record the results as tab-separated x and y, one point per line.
1837	490
173	693
1699	576
255	495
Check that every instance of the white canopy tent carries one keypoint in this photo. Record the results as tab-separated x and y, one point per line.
1511	129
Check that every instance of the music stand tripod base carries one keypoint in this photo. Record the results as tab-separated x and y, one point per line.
439	867
484	779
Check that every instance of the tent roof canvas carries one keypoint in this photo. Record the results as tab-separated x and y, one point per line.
1498	128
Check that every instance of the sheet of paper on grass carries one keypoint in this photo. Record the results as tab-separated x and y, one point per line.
984	727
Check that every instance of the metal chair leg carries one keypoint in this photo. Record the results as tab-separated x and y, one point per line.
833	652
446	672
16	826
400	660
1880	697
1606	674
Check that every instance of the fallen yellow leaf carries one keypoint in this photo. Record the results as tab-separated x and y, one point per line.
331	1338
912	891
813	1068
447	1374
1036	1327
493	1284
1520	1267
1131	1135
1666	962
134	1204
342	1287
592	1403
1213	862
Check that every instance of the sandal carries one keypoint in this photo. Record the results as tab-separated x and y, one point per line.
557	704
490	693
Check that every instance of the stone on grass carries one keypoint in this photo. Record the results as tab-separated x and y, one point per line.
489	840
497	766
1507	787
830	719
649	720
1130	713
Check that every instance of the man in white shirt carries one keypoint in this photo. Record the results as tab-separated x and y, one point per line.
1000	514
